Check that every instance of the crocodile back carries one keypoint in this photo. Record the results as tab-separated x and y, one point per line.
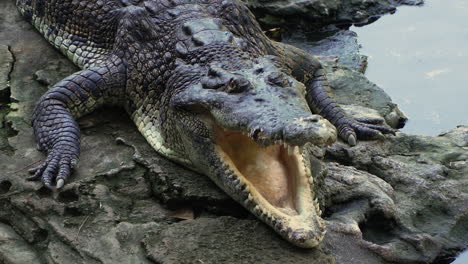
83	30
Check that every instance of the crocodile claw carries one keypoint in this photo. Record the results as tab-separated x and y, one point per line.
60	183
352	140
379	136
352	130
57	167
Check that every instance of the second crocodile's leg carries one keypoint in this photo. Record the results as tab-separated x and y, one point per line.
56	131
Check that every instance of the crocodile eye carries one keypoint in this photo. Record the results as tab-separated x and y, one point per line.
241	82
278	79
224	81
237	84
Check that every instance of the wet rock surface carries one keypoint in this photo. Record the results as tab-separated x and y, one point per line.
331	43
402	200
317	13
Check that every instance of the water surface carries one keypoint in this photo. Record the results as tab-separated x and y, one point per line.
419	56
462	258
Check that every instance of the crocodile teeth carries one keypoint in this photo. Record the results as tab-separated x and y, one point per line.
278	225
311	180
317	206
322	228
257	209
292	149
269	216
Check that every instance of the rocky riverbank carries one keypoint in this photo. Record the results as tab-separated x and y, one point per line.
402	200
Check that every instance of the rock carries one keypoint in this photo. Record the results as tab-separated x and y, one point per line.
13	248
53	72
402	200
317	13
331	44
428	176
6	65
225	240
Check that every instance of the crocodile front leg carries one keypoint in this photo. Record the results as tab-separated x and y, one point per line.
56	131
321	102
310	71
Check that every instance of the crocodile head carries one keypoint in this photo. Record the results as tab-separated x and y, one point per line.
245	127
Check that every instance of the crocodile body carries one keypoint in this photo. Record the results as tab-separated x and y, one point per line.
206	88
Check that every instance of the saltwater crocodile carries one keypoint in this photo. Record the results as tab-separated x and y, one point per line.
206	88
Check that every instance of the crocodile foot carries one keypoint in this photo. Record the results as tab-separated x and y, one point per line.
56	168
363	128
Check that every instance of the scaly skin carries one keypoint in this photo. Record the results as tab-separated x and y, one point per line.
206	88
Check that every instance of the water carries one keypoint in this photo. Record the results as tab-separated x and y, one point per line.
462	258
419	56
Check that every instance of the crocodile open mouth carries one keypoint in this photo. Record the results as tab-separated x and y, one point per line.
277	178
276	185
271	172
273	183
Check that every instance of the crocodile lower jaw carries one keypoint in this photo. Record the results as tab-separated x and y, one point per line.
275	183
